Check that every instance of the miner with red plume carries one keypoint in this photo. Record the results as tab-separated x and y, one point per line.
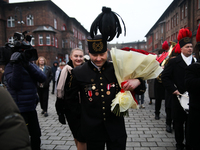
165	45
173	78
192	84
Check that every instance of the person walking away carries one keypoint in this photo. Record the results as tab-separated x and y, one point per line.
43	87
53	70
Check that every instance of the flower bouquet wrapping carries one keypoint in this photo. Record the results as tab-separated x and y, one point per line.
131	64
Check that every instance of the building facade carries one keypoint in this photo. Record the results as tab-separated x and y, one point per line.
54	33
180	14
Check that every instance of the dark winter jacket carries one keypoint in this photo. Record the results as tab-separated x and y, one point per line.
13	131
48	73
21	84
53	69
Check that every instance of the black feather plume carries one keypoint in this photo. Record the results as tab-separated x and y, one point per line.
108	24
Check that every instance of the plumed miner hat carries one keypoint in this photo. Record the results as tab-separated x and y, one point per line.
96	44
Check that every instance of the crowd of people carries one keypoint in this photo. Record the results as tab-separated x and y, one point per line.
85	89
179	77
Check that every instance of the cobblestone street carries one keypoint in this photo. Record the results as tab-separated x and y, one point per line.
144	132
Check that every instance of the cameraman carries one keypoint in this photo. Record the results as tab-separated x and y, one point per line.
22	77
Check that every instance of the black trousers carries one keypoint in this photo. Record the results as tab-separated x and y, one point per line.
43	98
53	86
159	92
32	123
194	127
168	116
181	132
119	144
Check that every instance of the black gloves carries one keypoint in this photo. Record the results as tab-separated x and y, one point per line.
16	57
60	110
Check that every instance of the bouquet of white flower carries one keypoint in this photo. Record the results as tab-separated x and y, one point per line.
131	64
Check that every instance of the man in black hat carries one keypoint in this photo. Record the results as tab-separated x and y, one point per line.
98	86
173	80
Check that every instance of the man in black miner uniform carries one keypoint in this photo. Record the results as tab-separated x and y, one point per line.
98	86
173	80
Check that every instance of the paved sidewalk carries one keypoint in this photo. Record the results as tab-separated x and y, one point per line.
144	132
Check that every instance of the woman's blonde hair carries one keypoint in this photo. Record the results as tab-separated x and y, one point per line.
37	62
74	50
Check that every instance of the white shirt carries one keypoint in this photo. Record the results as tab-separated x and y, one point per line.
188	60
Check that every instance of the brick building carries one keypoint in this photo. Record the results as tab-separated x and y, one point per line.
179	14
55	34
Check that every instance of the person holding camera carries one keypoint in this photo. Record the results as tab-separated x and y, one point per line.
22	77
43	87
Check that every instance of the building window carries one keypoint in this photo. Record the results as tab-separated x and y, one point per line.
40	40
168	25
32	41
198	4
11	22
64	28
55	23
63	44
11	40
29	20
174	20
52	41
182	12
48	39
161	29
198	22
177	19
185	10
80	45
56	42
156	35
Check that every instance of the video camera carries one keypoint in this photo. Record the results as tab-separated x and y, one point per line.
27	51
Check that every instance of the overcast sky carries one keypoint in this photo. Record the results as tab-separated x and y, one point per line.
139	15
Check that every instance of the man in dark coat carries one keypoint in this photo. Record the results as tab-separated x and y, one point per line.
98	86
173	80
53	71
192	83
22	77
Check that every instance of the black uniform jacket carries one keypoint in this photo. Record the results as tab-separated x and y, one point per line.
97	120
192	84
173	78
